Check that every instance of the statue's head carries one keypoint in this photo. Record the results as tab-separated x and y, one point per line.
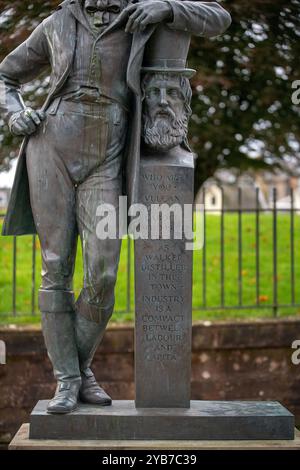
166	109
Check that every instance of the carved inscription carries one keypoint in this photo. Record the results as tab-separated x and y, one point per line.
163	293
162	301
163	188
163	267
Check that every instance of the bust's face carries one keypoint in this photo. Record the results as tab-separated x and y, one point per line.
163	97
165	116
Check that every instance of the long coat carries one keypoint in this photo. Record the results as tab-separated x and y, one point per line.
53	42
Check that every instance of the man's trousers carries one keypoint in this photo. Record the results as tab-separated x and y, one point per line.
74	164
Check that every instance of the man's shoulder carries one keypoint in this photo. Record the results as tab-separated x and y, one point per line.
64	4
58	15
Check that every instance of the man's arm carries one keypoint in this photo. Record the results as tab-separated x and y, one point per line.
199	18
206	19
21	66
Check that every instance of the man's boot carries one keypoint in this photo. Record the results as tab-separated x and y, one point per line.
58	330
88	337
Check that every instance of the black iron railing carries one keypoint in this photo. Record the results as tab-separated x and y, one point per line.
14	274
272	211
202	261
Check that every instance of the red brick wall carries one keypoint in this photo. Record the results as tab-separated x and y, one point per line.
229	361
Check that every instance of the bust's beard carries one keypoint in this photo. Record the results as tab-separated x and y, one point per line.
164	132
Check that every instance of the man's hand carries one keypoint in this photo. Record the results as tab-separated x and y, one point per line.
25	122
147	12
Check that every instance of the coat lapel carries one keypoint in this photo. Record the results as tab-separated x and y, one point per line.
65	41
136	58
62	39
133	81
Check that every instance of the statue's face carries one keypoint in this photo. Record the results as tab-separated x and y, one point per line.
165	112
163	97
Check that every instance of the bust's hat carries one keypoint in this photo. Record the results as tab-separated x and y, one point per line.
166	52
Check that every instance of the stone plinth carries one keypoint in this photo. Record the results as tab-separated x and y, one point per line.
163	287
21	441
204	420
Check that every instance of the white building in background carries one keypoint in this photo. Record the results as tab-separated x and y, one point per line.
4	198
212	199
6	182
283	183
223	190
226	184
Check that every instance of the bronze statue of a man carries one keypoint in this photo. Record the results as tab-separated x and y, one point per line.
77	152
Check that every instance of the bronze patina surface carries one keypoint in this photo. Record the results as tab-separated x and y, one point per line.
77	151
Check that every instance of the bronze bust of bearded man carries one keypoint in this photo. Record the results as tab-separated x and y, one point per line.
80	150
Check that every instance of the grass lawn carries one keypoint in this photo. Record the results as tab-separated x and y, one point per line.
213	272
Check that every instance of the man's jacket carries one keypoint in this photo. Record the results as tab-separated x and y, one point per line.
53	43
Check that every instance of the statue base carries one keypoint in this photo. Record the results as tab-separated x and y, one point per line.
22	442
204	420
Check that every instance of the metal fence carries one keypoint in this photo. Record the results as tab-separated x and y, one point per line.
202	262
272	211
14	276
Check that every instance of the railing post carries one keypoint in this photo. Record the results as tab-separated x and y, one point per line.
240	247
204	253
275	291
14	292
33	274
128	306
292	232
257	245
222	251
